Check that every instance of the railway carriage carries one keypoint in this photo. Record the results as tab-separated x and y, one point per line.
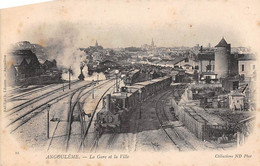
148	88
158	84
119	105
131	77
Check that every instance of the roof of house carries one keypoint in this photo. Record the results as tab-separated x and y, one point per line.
222	43
206	56
24	62
26	54
178	59
246	57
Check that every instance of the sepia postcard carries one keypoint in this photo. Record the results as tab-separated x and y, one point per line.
132	82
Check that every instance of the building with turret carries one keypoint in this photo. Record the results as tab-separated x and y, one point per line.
220	64
216	64
222	55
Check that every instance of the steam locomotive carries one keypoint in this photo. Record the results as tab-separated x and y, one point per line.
119	105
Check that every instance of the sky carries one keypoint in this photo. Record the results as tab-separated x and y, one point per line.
133	23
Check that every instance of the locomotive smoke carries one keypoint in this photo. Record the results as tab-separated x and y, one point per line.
64	47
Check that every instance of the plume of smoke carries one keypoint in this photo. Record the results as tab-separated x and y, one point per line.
73	62
64	47
95	76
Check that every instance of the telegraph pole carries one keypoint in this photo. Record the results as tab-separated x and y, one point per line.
69	78
93	84
48	120
117	85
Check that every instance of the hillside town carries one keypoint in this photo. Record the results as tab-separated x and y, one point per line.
211	93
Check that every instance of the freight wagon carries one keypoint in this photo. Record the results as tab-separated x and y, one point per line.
119	105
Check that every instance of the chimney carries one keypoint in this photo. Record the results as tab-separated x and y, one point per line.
201	48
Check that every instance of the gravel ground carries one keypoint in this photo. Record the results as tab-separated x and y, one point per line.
142	131
142	134
32	134
145	134
21	97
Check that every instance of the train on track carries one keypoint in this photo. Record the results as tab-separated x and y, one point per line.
119	105
131	77
140	75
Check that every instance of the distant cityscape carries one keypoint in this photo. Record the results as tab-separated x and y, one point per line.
33	60
206	92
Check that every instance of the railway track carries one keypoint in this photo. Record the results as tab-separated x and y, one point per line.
30	102
70	118
39	108
23	118
179	142
68	131
95	141
70	114
111	141
15	91
73	105
13	96
94	146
